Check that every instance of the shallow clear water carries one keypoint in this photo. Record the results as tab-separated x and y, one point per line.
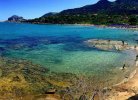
60	47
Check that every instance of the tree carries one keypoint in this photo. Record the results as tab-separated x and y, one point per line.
132	21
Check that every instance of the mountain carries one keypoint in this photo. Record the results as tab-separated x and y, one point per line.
131	2
15	18
49	14
102	4
104	12
105	6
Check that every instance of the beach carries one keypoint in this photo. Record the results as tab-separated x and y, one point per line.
127	89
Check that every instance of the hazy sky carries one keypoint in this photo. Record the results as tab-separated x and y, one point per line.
36	8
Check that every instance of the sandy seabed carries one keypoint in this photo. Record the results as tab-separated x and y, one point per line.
127	89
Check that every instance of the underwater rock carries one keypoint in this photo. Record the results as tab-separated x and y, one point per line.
44	41
62	80
0	72
14	75
107	44
48	97
1	49
51	91
83	97
21	77
24	42
18	46
16	78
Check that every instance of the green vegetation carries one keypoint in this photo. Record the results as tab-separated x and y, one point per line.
97	19
104	12
133	20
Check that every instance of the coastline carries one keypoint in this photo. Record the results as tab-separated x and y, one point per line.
125	80
114	26
126	89
132	75
135	27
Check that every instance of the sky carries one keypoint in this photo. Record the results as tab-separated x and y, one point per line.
35	8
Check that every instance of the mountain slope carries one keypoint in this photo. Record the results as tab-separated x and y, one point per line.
49	14
103	12
104	6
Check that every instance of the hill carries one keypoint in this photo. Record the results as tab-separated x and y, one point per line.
105	6
49	14
103	12
15	18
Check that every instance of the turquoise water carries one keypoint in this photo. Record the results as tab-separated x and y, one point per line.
61	49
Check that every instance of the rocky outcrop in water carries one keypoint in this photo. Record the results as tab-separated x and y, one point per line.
107	44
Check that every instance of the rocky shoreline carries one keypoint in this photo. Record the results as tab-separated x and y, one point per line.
23	79
109	45
133	27
122	90
126	90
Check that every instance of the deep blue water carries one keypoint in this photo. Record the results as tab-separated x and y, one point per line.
61	49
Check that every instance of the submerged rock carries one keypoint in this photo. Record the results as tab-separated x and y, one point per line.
51	91
18	46
83	97
107	44
20	78
16	78
1	49
13	75
48	97
0	72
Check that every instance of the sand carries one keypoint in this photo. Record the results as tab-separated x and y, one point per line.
126	89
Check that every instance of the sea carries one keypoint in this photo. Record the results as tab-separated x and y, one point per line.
61	48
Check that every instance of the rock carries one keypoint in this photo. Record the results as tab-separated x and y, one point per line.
136	63
0	72
16	78
44	41
107	44
1	49
135	97
21	77
51	91
83	97
18	46
48	97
